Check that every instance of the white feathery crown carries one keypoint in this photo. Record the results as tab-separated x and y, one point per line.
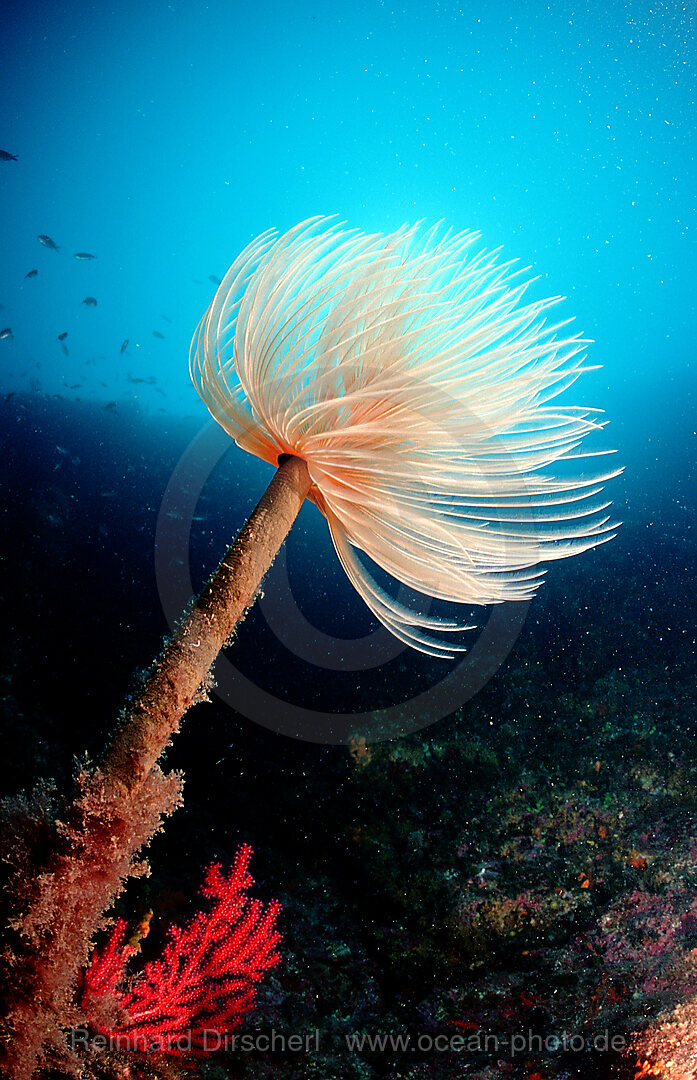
408	372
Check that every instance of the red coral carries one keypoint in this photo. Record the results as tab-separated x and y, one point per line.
204	983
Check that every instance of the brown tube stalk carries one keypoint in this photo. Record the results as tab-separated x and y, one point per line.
176	678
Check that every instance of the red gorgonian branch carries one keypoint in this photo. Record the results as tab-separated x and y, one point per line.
204	983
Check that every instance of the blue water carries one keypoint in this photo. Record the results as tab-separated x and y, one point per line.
162	137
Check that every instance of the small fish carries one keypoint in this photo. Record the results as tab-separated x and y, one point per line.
32	273
63	336
48	242
166	318
5	155
214	279
124	345
64	347
157	334
90	301
84	255
6	333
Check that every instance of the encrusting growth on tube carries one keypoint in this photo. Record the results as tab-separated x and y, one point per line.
119	806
